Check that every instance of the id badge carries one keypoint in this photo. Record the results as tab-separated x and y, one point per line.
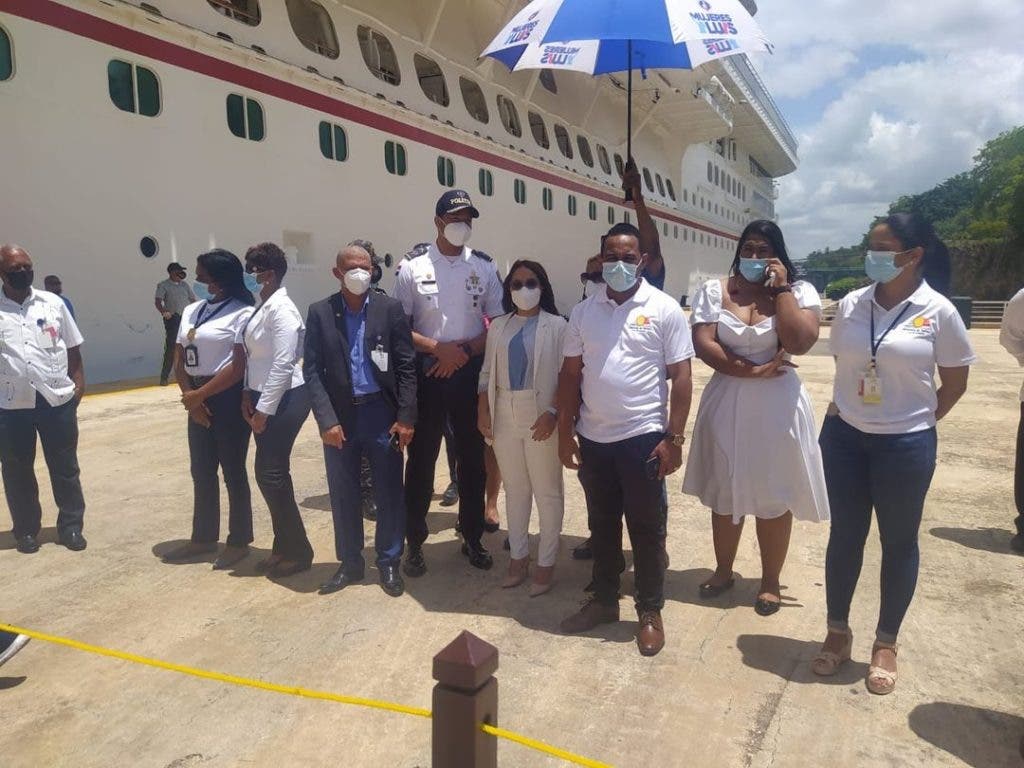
191	356
380	359
871	387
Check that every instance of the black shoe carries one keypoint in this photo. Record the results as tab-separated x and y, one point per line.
369	509
414	565
340	580
391	580
491	527
27	544
163	382
583	551
450	495
766	607
230	555
73	540
1017	543
506	546
478	556
284	569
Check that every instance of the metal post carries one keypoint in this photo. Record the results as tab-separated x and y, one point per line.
466	696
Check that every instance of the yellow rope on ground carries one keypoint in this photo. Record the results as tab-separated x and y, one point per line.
357	701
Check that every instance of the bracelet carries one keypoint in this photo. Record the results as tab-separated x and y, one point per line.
773	292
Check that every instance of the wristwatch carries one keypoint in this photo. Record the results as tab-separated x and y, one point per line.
677	440
773	292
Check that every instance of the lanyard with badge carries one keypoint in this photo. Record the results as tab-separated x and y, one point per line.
870	384
191	351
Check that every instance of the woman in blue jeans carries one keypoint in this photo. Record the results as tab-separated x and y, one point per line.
878	442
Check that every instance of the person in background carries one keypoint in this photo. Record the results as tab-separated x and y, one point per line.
360	367
1011	336
623	349
878	442
44	380
218	434
518	416
754	450
53	284
172	296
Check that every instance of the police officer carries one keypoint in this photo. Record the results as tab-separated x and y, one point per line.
446	290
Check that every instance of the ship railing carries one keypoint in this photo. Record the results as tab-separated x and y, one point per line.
756	92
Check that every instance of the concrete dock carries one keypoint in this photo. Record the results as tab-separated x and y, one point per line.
730	689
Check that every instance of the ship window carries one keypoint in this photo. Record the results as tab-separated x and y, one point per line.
132	88
562	137
474	99
6	56
245	11
626	218
665	228
585	154
572	205
445	171
509	116
245	118
519	190
619	166
313	26
547	199
486	182
547	79
611	215
379	55
602	158
592	210
431	80
149	247
394	158
675	231
647	180
539	130
715	182
711	172
333	142
671	189
661	184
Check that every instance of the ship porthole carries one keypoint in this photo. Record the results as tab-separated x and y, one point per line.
149	247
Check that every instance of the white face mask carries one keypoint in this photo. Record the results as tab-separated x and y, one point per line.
458	233
526	298
357	281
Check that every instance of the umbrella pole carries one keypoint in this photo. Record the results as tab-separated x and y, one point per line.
629	111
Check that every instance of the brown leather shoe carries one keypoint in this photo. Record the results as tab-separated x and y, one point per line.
650	634
592	614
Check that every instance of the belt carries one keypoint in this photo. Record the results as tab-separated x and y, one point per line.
198	381
363	399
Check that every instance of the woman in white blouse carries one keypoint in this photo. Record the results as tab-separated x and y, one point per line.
1011	336
753	450
516	410
879	442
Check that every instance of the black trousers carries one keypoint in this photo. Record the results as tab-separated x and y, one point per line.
440	399
224	444
1018	474
274	476
57	427
616	484
170	340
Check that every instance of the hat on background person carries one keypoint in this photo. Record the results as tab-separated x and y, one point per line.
175	267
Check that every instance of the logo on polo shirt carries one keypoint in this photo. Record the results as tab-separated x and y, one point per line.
920	327
642	322
921	322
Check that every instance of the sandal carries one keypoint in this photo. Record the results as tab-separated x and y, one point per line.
827	663
765	607
881	681
709	590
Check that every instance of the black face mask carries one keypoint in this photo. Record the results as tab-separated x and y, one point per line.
19	281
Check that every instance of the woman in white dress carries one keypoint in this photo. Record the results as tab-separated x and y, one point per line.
754	449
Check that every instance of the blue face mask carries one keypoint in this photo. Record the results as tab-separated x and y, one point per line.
252	285
753	269
619	275
201	291
880	266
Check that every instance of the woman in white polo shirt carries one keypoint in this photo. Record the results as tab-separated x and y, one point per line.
879	442
218	436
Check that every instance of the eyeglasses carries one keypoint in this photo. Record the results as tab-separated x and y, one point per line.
517	285
254	269
751	251
591	277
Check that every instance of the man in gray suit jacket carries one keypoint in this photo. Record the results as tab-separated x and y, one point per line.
360	369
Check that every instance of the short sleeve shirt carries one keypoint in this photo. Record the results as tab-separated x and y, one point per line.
928	332
175	296
707	304
1011	330
216	330
448	298
626	350
34	341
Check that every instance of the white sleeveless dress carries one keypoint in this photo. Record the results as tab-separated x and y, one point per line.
754	449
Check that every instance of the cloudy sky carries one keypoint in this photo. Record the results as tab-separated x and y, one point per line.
886	98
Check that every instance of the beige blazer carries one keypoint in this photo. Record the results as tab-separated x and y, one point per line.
547	359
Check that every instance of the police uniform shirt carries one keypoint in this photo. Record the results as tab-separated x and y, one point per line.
175	296
216	329
34	341
447	298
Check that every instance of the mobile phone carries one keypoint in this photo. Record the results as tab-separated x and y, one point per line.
769	276
395	442
652	467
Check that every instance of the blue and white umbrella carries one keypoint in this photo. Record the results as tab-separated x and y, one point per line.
603	36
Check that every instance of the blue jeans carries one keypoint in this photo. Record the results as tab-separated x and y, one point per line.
890	473
368	435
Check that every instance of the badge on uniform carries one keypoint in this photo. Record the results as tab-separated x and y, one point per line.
380	358
870	390
191	356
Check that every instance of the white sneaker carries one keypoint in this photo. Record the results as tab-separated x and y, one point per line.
19	642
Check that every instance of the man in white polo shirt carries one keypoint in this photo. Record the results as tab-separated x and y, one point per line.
627	350
41	382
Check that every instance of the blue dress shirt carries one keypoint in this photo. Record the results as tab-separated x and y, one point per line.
363	381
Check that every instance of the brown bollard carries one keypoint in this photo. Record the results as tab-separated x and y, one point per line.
465	697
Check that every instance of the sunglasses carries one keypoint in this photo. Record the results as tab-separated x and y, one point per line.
593	277
517	285
253	269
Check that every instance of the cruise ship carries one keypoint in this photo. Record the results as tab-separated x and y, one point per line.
139	133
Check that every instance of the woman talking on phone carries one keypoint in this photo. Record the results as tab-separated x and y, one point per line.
753	448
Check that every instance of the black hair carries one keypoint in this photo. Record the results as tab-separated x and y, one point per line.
619	230
914	231
225	270
547	294
770	231
267	256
